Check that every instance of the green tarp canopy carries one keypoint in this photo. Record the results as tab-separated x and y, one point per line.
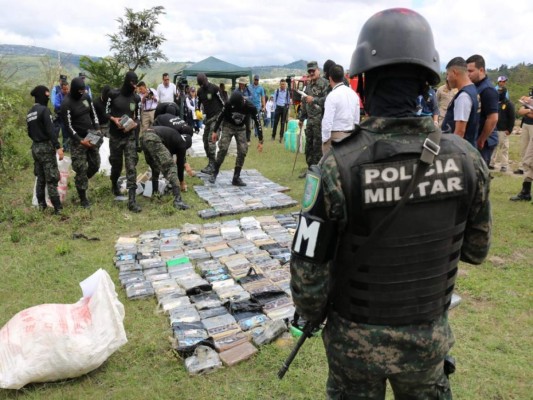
215	68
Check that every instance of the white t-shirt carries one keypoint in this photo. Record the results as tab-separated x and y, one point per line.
462	107
166	93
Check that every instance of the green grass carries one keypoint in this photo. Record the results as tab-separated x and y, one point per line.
40	262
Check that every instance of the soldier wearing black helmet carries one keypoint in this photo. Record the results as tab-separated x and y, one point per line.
386	217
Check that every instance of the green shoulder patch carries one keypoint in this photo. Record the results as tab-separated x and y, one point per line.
312	188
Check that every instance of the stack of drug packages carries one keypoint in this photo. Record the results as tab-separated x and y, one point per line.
223	285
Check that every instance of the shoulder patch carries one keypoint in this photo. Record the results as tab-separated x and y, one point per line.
311	190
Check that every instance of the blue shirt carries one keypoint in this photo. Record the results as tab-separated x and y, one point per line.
488	97
257	93
281	97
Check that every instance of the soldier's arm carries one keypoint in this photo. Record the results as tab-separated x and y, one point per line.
476	242
315	241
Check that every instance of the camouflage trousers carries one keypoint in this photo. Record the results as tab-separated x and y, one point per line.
363	357
159	158
210	147
313	142
85	162
123	149
224	141
45	167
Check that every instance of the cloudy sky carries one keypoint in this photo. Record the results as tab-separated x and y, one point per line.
274	32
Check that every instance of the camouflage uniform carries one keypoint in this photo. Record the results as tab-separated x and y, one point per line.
126	146
362	356
313	112
85	162
158	157
210	147
228	131
45	166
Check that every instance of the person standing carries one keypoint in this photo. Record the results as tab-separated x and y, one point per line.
258	100
59	124
527	148
211	102
79	114
444	96
45	145
124	141
282	101
341	109
383	278
148	105
159	143
462	118
223	92
502	83
233	116
427	104
242	88
270	109
488	98
192	105
315	90
86	85
166	91
505	125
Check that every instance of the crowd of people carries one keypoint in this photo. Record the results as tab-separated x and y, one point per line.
382	278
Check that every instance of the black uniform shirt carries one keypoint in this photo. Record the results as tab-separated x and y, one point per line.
237	116
118	105
209	98
40	126
79	116
172	140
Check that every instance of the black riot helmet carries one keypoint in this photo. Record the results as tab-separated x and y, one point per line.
396	36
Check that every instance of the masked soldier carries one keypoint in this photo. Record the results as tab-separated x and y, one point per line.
159	143
386	217
79	114
234	115
44	147
124	141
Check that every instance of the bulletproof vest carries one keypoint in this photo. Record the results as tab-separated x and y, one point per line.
408	273
448	124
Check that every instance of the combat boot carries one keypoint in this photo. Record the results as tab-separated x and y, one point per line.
132	205
84	201
525	193
41	197
178	202
114	187
237	181
216	170
56	202
209	169
155	188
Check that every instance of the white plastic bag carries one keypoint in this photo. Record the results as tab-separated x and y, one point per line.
105	165
51	342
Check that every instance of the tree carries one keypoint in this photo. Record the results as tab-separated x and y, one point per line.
105	71
137	44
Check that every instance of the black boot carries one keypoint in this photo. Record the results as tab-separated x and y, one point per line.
178	202
57	205
132	205
209	169
114	187
216	169
525	193
237	181
41	197
84	201
155	188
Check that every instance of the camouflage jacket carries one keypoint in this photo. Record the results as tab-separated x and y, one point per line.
310	280
318	89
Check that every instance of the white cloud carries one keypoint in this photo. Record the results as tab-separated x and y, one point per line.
272	33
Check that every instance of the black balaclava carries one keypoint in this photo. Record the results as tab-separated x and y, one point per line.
76	86
391	91
327	65
236	99
171	108
201	78
39	92
130	82
186	130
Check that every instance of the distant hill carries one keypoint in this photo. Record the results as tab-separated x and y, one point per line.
21	62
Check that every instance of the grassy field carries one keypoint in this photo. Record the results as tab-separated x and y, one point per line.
40	262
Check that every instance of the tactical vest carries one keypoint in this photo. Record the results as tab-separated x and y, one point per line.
448	124
407	275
